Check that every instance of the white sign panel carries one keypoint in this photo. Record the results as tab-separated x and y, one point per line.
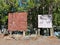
44	21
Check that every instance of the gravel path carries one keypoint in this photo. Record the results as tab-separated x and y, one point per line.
38	41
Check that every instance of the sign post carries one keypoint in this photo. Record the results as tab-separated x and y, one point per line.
38	32
45	21
51	32
23	33
17	22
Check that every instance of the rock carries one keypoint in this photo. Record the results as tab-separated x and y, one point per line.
26	37
33	35
8	38
17	36
52	37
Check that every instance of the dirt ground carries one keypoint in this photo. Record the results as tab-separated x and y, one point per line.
42	40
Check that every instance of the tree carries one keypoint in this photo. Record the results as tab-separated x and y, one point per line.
33	7
4	8
56	13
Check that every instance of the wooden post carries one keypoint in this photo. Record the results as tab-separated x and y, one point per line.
10	32
38	32
51	32
23	33
35	31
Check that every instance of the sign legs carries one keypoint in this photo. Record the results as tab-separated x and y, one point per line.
23	33
10	32
51	32
38	32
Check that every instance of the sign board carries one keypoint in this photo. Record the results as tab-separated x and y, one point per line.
17	21
44	21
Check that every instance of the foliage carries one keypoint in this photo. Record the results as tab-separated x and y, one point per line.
4	8
56	13
33	7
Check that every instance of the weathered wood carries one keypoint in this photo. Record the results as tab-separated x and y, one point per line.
51	32
23	33
38	32
10	32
